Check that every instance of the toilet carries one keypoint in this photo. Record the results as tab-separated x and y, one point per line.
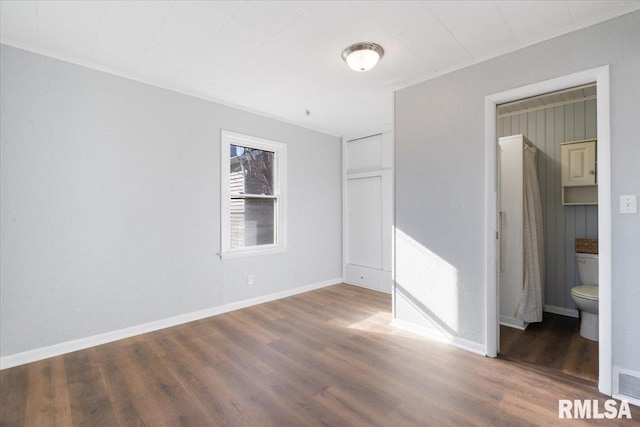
586	295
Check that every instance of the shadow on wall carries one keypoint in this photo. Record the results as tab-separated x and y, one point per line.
426	288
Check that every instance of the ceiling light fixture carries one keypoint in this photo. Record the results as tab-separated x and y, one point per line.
362	56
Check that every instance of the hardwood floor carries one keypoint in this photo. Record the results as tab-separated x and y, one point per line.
327	357
554	343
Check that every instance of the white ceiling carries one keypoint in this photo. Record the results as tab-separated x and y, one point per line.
282	58
571	95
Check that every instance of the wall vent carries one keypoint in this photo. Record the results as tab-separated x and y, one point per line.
626	385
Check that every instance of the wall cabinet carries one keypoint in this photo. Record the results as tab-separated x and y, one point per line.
578	170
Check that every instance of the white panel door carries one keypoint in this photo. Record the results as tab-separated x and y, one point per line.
365	222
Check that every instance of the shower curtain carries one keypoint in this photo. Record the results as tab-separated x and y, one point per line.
530	307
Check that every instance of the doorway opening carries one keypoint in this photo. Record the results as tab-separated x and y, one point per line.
546	218
599	77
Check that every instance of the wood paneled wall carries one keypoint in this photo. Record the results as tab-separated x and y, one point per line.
548	128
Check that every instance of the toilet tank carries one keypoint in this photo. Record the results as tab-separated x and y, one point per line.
587	268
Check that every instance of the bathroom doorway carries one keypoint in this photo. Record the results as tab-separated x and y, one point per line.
540	323
522	102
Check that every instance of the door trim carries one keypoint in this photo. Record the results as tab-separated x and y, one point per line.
599	75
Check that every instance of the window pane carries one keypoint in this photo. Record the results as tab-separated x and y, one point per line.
252	222
251	171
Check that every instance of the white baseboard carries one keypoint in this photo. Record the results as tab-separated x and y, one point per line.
435	335
631	400
94	340
571	312
368	287
512	322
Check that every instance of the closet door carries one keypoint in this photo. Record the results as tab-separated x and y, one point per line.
364	227
368	209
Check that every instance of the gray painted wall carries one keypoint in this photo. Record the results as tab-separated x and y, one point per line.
439	139
547	129
110	207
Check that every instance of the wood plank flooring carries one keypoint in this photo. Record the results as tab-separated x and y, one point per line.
327	357
554	343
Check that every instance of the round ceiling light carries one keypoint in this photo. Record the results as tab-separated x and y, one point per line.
362	56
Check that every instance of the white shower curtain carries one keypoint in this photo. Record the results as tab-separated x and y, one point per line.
530	307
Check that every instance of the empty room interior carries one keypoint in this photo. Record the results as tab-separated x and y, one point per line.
319	212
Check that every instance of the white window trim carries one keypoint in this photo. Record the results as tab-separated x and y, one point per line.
227	139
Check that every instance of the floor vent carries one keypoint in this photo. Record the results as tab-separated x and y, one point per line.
626	385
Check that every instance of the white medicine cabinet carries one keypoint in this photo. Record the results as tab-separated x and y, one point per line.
578	170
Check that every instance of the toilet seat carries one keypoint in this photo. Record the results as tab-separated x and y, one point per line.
586	292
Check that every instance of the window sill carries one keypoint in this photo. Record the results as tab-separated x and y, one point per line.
244	253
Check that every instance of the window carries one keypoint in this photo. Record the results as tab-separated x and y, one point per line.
253	195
